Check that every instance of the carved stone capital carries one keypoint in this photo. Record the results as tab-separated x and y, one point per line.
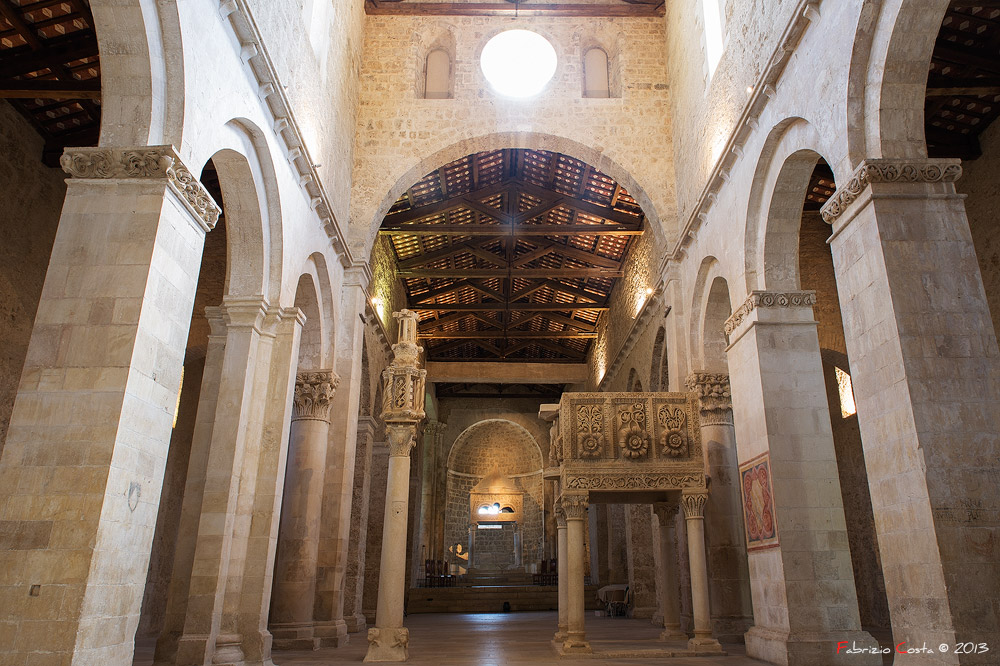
574	505
694	504
560	515
149	163
314	391
435	428
402	437
715	397
665	513
769	299
889	171
388	644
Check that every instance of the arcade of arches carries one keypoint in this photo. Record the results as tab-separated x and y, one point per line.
313	338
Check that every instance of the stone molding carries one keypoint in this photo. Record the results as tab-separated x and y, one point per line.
313	397
889	171
649	481
694	504
769	299
715	395
574	505
148	163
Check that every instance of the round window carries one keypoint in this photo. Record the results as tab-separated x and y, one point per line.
518	63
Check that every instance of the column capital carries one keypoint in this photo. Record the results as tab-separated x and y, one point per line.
314	391
560	515
402	438
146	163
665	513
366	426
789	306
715	395
694	504
244	312
883	170
574	504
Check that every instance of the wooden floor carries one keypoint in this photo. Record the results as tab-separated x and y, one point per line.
502	639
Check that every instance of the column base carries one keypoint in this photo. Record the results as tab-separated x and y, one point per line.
388	644
575	643
331	634
704	645
293	636
356	623
804	649
673	633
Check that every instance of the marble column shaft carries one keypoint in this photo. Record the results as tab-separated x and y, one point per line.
694	515
294	593
354	584
562	575
670	591
574	505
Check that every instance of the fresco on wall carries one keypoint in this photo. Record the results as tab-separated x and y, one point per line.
758	504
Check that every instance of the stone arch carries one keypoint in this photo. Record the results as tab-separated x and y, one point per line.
888	77
480	449
532	140
142	72
634	383
311	342
426	42
774	212
253	213
711	306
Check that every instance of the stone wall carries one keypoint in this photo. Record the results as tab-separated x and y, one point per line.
30	201
401	137
980	182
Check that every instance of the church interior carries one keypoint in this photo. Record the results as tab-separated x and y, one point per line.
499	332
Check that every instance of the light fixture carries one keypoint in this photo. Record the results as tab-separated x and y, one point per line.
518	63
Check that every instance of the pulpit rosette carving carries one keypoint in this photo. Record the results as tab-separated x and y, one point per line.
403	387
632	435
313	396
590	433
673	440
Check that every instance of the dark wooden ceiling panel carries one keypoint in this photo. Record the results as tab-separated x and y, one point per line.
511	255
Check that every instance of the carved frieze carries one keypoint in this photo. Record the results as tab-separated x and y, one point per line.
145	162
769	299
313	396
633	481
889	171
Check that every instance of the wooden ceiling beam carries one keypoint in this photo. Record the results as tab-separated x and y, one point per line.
574	291
500	335
451	203
588	207
506	230
559	349
57	52
505	273
440	291
516	307
559	319
572	10
537	253
50	89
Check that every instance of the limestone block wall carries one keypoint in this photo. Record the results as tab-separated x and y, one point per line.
30	201
980	182
316	49
705	109
401	137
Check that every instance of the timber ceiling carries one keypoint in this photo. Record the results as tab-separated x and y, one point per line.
50	71
511	255
963	85
584	8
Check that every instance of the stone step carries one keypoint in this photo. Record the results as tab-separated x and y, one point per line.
490	599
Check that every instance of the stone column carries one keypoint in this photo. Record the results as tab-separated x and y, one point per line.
729	587
641	571
669	592
797	542
86	448
574	505
561	578
926	382
354	584
298	537
431	505
335	530
694	514
403	409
